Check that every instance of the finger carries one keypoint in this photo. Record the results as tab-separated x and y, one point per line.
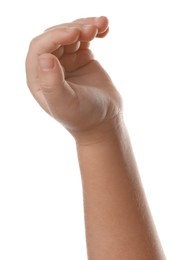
100	22
53	39
103	24
68	49
88	32
80	21
84	45
54	88
46	43
102	35
72	48
59	52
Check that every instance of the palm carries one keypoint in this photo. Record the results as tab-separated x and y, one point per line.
77	64
91	84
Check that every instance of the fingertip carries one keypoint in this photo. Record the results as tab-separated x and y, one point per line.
103	34
104	19
102	23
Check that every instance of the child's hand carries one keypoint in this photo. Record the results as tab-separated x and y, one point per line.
66	80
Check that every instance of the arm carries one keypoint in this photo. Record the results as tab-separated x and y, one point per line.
118	221
74	89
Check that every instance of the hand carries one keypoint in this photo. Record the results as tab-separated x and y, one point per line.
66	80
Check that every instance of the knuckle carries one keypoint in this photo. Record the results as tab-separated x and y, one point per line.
34	41
46	87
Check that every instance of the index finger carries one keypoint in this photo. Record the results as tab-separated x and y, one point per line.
100	22
51	40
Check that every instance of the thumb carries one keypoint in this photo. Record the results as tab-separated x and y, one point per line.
55	89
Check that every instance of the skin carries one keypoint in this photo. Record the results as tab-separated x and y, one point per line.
73	88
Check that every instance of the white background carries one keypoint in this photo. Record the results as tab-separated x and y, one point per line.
146	54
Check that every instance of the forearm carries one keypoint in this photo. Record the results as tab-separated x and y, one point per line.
75	90
117	218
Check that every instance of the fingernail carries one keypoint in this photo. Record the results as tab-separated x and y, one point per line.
46	63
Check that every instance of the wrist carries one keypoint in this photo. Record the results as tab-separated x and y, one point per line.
101	133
